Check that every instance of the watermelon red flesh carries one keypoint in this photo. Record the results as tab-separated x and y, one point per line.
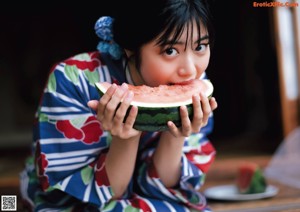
165	95
250	179
245	175
158	105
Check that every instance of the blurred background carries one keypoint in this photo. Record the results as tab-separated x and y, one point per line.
247	69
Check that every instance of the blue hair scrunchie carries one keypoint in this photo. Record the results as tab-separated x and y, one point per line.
103	28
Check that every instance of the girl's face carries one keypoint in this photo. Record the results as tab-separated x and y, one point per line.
169	64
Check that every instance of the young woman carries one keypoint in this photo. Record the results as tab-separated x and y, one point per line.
84	157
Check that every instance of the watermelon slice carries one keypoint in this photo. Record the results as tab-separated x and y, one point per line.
158	105
250	179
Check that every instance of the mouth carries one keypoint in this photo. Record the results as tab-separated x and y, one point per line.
181	83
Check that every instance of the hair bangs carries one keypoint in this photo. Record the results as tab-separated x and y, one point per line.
183	17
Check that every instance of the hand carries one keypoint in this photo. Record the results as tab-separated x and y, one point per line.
202	110
111	111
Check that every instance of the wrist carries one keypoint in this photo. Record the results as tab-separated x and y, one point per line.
167	136
133	139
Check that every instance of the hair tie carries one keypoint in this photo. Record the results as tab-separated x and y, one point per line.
103	28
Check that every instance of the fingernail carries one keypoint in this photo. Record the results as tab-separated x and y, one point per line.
124	86
183	107
129	96
202	94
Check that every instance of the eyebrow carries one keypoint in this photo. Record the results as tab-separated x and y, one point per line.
169	42
205	37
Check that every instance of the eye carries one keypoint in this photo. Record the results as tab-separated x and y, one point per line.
201	47
171	52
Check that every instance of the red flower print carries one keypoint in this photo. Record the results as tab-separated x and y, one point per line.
137	202
90	132
100	174
41	164
207	148
85	64
92	164
202	161
207	152
69	130
152	171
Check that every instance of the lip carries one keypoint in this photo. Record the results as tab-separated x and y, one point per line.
182	82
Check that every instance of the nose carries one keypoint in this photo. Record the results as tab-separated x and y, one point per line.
188	67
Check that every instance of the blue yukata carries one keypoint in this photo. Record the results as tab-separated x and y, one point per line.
66	171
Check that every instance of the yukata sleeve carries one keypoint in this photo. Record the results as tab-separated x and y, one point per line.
70	145
198	154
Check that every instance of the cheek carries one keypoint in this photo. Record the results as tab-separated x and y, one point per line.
154	73
203	63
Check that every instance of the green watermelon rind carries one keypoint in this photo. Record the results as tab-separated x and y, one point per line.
155	118
258	184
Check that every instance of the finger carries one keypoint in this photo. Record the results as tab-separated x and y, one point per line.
131	118
213	103
93	104
173	129
185	121
198	114
205	108
122	110
114	102
106	98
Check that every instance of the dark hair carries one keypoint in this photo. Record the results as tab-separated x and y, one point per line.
138	22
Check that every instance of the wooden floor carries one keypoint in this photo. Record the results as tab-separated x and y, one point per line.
11	164
222	172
